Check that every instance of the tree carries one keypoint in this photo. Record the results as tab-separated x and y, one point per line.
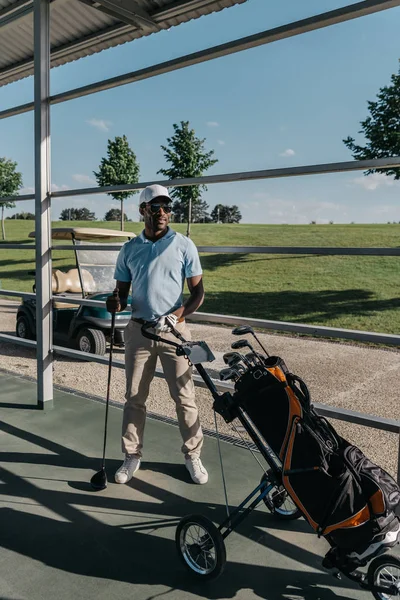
25	216
114	214
226	214
187	156
199	212
121	167
77	214
381	128
10	184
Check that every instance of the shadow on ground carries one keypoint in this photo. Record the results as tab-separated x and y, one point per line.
79	541
298	307
212	262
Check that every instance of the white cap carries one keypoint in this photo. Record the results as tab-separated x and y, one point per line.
151	192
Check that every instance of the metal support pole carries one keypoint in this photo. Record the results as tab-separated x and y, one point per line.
398	462
42	203
189	217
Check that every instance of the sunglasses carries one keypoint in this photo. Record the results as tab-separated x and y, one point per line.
155	208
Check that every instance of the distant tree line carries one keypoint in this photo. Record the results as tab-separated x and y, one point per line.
25	216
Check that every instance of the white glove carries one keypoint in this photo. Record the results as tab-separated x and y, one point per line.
164	324
171	320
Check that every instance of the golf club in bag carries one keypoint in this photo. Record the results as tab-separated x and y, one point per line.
99	479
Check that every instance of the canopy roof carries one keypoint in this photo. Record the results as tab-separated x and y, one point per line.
86	233
83	27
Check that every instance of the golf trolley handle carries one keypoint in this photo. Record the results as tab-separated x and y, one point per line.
153	336
199	367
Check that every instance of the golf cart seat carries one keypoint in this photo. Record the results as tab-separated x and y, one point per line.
69	283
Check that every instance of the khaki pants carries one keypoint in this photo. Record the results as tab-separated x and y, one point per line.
140	363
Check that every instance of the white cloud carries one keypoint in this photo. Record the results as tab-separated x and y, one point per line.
58	188
373	181
288	152
280	210
80	178
100	124
212	124
27	190
221	142
385	209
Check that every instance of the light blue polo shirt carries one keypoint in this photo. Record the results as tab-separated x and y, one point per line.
157	271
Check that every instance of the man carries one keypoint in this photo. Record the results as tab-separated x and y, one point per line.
156	263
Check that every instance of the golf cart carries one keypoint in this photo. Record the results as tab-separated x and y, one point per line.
86	328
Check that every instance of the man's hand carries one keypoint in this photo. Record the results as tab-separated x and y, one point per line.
166	324
113	302
171	320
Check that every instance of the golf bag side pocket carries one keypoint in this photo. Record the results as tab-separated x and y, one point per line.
382	495
320	484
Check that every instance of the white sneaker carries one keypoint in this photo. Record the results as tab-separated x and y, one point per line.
196	469
128	468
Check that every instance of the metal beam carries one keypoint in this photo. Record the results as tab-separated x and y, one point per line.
17	294
126	11
299	250
313	23
341	414
313	330
342	167
333	412
41	18
15	11
314	250
319	250
17	246
262	324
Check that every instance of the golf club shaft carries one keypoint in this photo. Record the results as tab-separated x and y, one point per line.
260	344
108	387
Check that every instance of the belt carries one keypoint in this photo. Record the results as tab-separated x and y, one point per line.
143	322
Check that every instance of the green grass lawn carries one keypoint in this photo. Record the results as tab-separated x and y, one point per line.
337	291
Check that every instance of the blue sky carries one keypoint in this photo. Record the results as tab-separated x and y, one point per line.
284	104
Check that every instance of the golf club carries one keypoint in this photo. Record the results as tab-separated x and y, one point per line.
243	344
243	329
254	358
232	358
99	479
226	374
238	370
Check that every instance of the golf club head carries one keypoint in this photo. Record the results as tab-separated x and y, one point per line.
231	358
240	344
242	330
253	358
241	358
226	374
238	371
99	480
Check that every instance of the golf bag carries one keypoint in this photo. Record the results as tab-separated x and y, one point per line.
343	495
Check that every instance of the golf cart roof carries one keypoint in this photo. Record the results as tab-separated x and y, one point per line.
86	233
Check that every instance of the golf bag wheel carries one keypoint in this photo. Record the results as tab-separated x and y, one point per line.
280	504
385	570
92	341
200	546
23	329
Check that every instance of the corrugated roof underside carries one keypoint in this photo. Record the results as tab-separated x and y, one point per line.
79	30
